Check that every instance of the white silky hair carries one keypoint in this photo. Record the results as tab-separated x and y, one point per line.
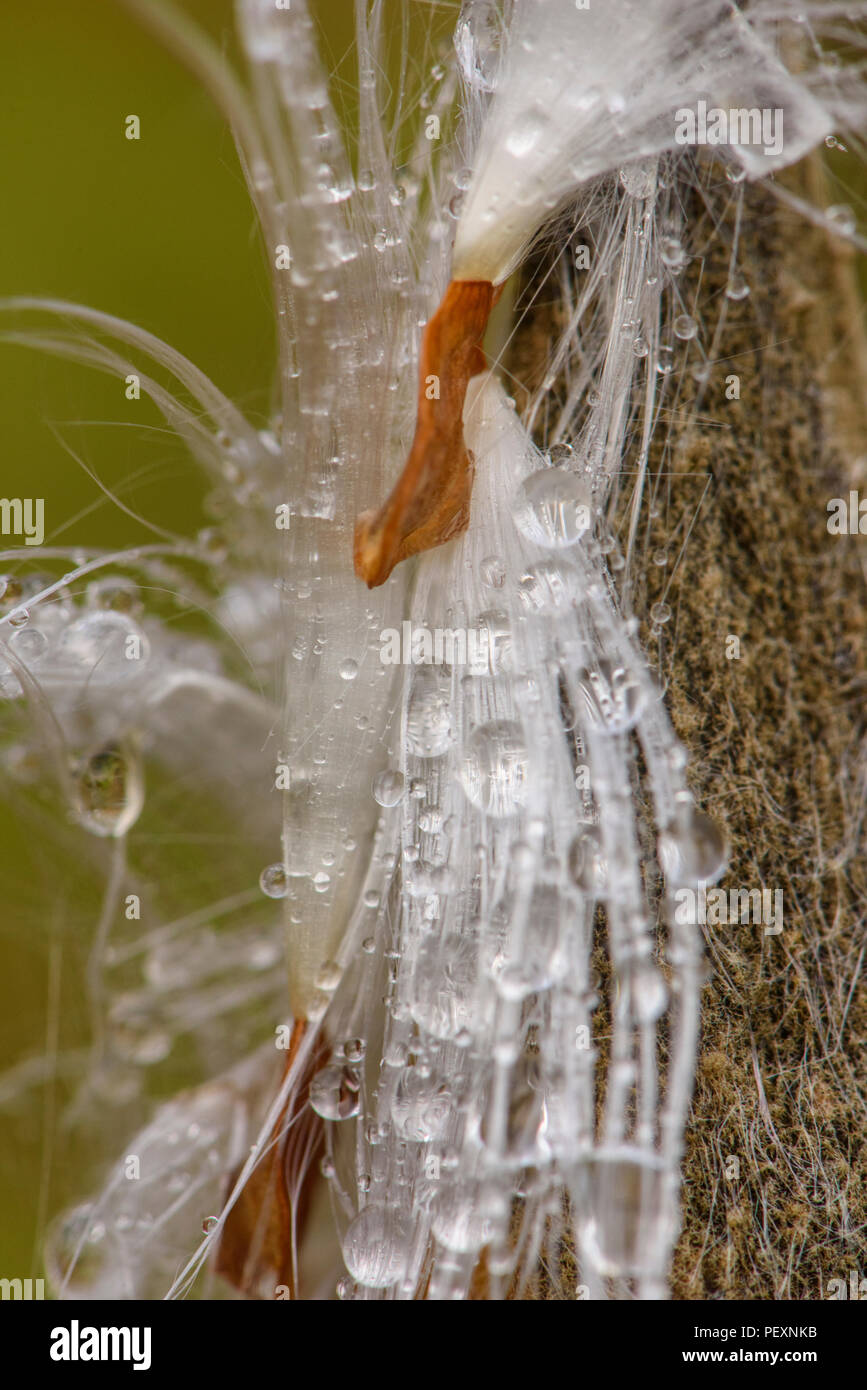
449	841
579	91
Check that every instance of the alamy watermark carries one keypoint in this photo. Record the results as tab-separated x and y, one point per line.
740	125
847	516
853	1288
77	1343
481	648
719	907
23	516
24	1289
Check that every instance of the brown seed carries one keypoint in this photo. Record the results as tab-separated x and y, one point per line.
256	1250
430	502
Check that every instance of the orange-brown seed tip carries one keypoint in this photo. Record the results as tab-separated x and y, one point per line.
430	502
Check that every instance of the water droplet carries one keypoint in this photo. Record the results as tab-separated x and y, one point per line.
493	644
685	327
665	360
317	1005
76	1255
421	1108
348	670
639	347
366	180
625	1225
660	613
561	455
493	572
672	253
695	852
455	205
354	1049
334	1093
495	768
737	287
388	789
638	180
321	882
328	976
841	218
587	865
647	990
525	1116
613	699
395	1053
550	587
210	1223
429	729
444	984
115	595
376	1247
109	645
458	1223
108	790
527	133
552	508
422	880
479	39
28	644
535	961
274	881
336	188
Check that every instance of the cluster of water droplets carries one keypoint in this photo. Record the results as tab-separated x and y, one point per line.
462	1093
87	652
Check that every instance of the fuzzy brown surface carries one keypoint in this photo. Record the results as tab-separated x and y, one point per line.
777	747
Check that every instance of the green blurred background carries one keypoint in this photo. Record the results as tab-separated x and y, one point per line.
159	231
